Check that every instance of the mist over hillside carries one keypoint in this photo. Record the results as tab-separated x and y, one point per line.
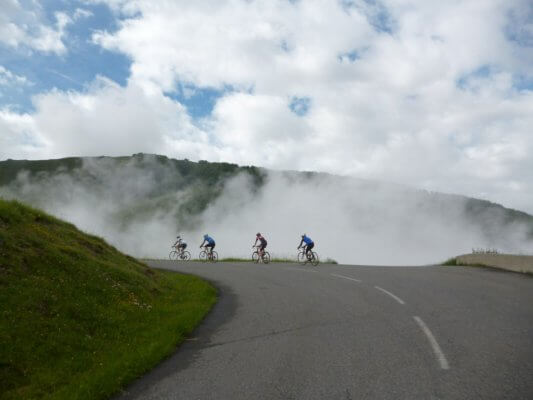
140	203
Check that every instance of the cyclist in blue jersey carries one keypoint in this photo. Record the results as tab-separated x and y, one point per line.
309	244
210	243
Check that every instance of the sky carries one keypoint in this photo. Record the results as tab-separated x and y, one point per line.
435	95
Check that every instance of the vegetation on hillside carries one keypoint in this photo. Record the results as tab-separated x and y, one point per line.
78	319
135	191
198	183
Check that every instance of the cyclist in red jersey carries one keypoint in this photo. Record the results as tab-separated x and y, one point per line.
263	244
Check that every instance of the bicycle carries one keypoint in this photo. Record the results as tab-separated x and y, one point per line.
311	257
255	256
178	254
206	255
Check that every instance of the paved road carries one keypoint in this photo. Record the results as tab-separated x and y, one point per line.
282	331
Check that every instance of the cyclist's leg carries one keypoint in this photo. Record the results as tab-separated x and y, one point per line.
308	249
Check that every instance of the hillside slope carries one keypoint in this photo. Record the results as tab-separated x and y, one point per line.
78	319
127	200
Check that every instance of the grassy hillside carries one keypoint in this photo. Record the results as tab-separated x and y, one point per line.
78	319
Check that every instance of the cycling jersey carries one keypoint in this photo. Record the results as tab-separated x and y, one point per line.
210	240
307	240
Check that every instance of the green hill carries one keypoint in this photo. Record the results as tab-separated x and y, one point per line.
78	319
163	177
127	199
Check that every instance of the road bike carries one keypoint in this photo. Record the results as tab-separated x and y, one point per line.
308	257
179	254
206	255
255	256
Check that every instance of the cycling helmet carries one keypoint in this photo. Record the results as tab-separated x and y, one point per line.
178	237
258	234
205	236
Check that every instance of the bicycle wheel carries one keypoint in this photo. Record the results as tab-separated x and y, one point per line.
302	258
266	257
255	257
214	256
185	256
203	255
315	259
173	255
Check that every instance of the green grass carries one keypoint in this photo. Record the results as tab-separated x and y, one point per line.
78	319
239	259
454	263
450	261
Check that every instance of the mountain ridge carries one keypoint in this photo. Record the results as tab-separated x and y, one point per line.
137	193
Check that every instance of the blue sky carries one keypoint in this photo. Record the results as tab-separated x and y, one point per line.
84	61
72	70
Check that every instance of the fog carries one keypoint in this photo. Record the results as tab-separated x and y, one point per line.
138	209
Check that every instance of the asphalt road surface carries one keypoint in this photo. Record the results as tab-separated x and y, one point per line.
283	331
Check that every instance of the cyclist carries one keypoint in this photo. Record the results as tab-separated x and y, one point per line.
210	243
309	244
263	244
180	244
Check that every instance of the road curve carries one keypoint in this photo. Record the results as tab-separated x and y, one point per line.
282	331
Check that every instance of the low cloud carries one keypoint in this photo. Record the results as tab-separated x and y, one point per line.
138	207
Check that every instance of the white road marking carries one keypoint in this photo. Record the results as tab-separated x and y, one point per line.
436	348
391	295
345	277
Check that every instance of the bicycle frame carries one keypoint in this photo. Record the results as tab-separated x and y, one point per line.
209	250
309	257
263	255
211	254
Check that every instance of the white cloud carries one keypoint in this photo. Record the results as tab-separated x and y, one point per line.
81	13
8	78
112	120
22	27
432	104
19	136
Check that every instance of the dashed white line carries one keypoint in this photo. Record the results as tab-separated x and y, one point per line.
436	348
346	277
391	295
